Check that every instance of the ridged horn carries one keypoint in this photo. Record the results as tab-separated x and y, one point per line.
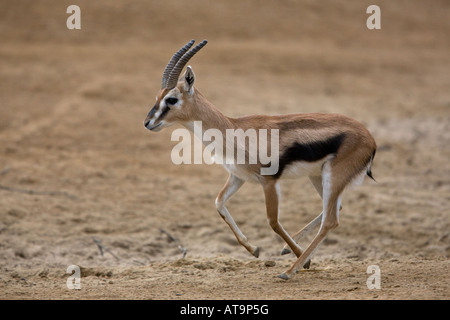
177	56
175	73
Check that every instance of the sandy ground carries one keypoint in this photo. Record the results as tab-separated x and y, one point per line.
77	165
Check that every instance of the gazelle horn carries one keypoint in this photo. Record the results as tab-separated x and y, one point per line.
173	62
175	72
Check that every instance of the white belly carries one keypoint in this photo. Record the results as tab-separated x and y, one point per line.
303	168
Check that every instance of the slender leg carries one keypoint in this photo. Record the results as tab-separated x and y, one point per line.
231	186
302	233
330	220
272	195
317	183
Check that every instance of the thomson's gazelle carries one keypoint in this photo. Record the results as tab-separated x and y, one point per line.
332	150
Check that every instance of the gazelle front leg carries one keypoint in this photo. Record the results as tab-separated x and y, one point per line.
231	186
272	195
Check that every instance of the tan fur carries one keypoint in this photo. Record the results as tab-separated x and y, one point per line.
353	157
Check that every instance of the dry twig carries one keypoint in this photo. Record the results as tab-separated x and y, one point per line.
172	239
34	192
102	248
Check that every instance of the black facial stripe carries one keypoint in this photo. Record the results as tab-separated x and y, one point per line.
152	112
163	114
309	152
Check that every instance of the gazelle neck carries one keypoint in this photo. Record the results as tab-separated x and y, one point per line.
208	116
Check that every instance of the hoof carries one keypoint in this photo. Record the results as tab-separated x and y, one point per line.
256	252
285	251
307	265
283	276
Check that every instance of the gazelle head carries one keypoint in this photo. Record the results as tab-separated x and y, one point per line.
174	97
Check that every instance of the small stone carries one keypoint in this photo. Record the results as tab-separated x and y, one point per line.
269	263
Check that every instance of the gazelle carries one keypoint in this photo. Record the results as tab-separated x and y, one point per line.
333	150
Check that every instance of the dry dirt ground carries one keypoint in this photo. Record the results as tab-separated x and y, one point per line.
77	166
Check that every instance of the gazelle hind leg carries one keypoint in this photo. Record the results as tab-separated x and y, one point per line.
300	234
330	220
303	232
231	186
317	183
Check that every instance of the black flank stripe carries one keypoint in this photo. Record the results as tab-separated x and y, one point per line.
309	152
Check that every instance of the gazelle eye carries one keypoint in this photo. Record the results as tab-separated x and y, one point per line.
171	100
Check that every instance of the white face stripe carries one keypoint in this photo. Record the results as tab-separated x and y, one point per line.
155	116
163	107
174	93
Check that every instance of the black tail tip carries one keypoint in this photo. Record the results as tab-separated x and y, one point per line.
369	173
369	168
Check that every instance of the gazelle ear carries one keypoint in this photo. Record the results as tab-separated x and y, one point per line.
189	79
